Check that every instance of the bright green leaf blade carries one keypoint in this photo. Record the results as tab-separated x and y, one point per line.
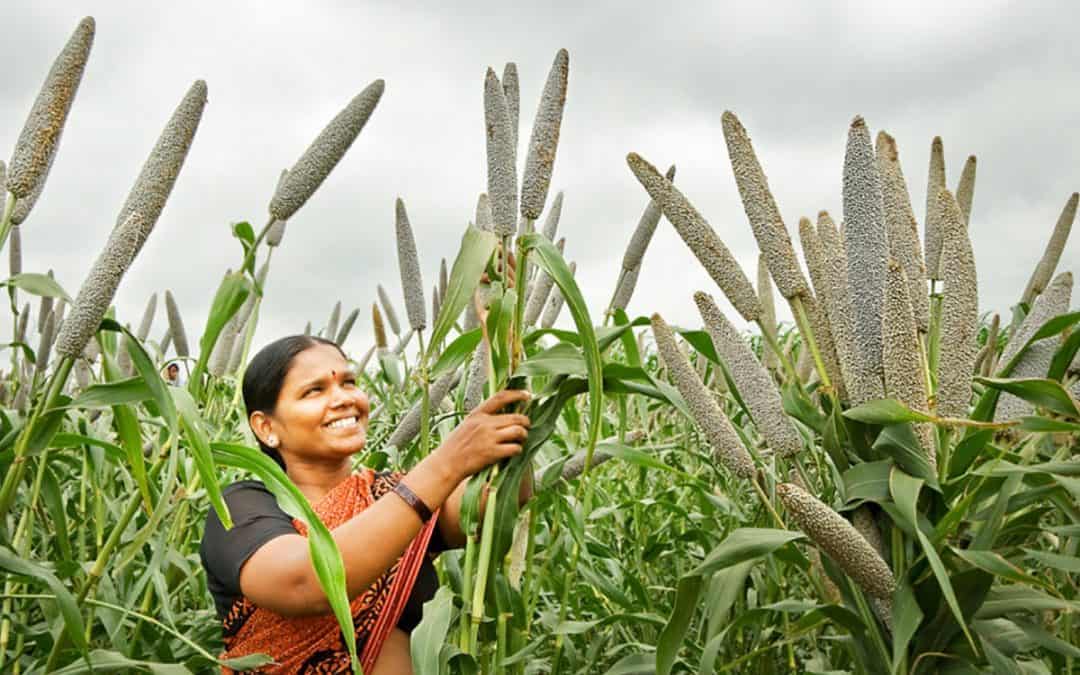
69	609
942	576
427	638
549	258
191	423
476	249
671	638
456	353
745	543
108	394
325	555
900	442
562	359
38	284
230	295
1038	391
907	615
885	411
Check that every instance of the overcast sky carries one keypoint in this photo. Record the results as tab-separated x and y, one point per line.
994	79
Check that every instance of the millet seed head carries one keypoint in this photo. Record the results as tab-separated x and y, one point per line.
478	370
377	326
444	279
903	231
551	223
501	157
625	291
965	189
388	309
839	540
512	92
40	136
48	334
158	176
934	236
905	379
1054	248
332	322
540	160
838	309
484	218
1035	362
540	292
643	233
699	237
176	326
410	425
346	327
960	311
100	286
769	230
815	259
767	320
755	384
555	304
305	177
411	281
147	318
727	448
277	228
866	245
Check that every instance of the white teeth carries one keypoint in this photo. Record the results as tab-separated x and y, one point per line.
342	423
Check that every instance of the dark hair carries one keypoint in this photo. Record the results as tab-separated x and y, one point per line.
266	373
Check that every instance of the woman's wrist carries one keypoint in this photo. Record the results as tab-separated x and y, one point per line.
432	480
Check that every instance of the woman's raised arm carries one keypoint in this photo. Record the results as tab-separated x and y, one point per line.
280	576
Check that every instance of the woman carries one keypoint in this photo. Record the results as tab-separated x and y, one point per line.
307	413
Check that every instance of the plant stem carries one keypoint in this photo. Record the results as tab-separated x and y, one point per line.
134	502
425	398
808	334
785	362
484	564
5	220
54	387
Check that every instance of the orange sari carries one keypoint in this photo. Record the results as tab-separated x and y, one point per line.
314	644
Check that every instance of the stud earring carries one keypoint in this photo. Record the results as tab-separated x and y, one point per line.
272	442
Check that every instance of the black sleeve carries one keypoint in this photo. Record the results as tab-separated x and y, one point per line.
257	519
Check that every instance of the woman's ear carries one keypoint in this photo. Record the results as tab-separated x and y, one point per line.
262	427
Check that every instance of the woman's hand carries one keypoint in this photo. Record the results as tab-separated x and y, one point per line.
486	436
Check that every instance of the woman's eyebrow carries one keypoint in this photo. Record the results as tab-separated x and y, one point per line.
317	380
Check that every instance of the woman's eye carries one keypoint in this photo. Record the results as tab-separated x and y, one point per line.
312	390
351	382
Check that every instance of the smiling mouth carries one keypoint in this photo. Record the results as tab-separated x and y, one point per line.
344	423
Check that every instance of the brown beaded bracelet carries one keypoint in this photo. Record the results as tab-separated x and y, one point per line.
409	497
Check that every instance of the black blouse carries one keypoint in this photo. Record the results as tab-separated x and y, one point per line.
257	519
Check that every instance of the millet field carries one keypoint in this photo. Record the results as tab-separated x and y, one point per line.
889	484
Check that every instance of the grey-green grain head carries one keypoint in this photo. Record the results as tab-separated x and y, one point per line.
412	283
540	160
305	177
40	136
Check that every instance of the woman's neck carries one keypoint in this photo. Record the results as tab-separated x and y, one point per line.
315	479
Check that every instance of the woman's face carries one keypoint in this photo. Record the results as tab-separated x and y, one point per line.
320	412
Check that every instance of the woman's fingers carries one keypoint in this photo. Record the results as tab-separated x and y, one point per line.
512	419
501	399
514	432
508	449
